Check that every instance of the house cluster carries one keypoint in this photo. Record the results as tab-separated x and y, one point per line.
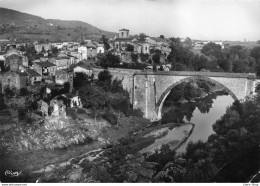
16	71
198	45
144	46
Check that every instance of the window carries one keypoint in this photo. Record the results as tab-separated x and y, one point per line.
122	33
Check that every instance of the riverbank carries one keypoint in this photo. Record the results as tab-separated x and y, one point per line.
72	169
171	134
32	160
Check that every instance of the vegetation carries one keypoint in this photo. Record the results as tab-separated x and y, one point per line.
106	97
229	155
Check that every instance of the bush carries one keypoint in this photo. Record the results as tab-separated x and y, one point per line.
81	111
110	117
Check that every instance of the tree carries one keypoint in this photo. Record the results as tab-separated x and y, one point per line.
129	48
134	57
142	37
81	79
105	80
93	97
105	41
54	50
255	53
156	58
175	41
108	60
144	57
212	49
161	36
188	42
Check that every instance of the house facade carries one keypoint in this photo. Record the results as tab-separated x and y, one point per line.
83	51
45	68
39	46
33	76
62	76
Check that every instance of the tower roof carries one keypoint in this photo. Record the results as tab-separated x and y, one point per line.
123	29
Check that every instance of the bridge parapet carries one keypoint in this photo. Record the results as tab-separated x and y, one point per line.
198	73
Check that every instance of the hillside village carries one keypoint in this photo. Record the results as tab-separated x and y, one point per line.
67	107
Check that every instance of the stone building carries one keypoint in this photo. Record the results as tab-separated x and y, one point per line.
123	39
83	68
62	76
45	68
15	61
63	61
33	76
15	80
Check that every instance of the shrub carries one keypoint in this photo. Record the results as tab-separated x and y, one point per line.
81	111
110	117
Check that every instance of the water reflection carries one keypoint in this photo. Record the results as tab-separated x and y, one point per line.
203	113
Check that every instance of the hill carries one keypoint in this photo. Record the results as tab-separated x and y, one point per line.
26	27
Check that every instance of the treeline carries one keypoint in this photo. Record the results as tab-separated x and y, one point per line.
236	59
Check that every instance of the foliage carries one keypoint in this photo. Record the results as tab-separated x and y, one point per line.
142	37
104	80
134	57
81	79
110	117
144	57
212	49
129	48
9	92
108	60
156	58
105	41
188	42
121	166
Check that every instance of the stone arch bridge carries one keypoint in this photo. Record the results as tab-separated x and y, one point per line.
150	89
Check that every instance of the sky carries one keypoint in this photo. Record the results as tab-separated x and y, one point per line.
198	19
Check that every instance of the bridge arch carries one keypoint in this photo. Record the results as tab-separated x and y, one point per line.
160	102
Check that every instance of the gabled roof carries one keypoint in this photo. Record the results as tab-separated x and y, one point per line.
85	66
32	73
21	73
45	64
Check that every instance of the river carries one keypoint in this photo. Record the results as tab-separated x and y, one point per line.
204	112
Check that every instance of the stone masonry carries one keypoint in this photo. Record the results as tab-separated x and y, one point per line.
152	88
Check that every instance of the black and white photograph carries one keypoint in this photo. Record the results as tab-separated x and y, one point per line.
129	91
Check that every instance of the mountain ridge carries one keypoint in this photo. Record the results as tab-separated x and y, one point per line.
25	27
